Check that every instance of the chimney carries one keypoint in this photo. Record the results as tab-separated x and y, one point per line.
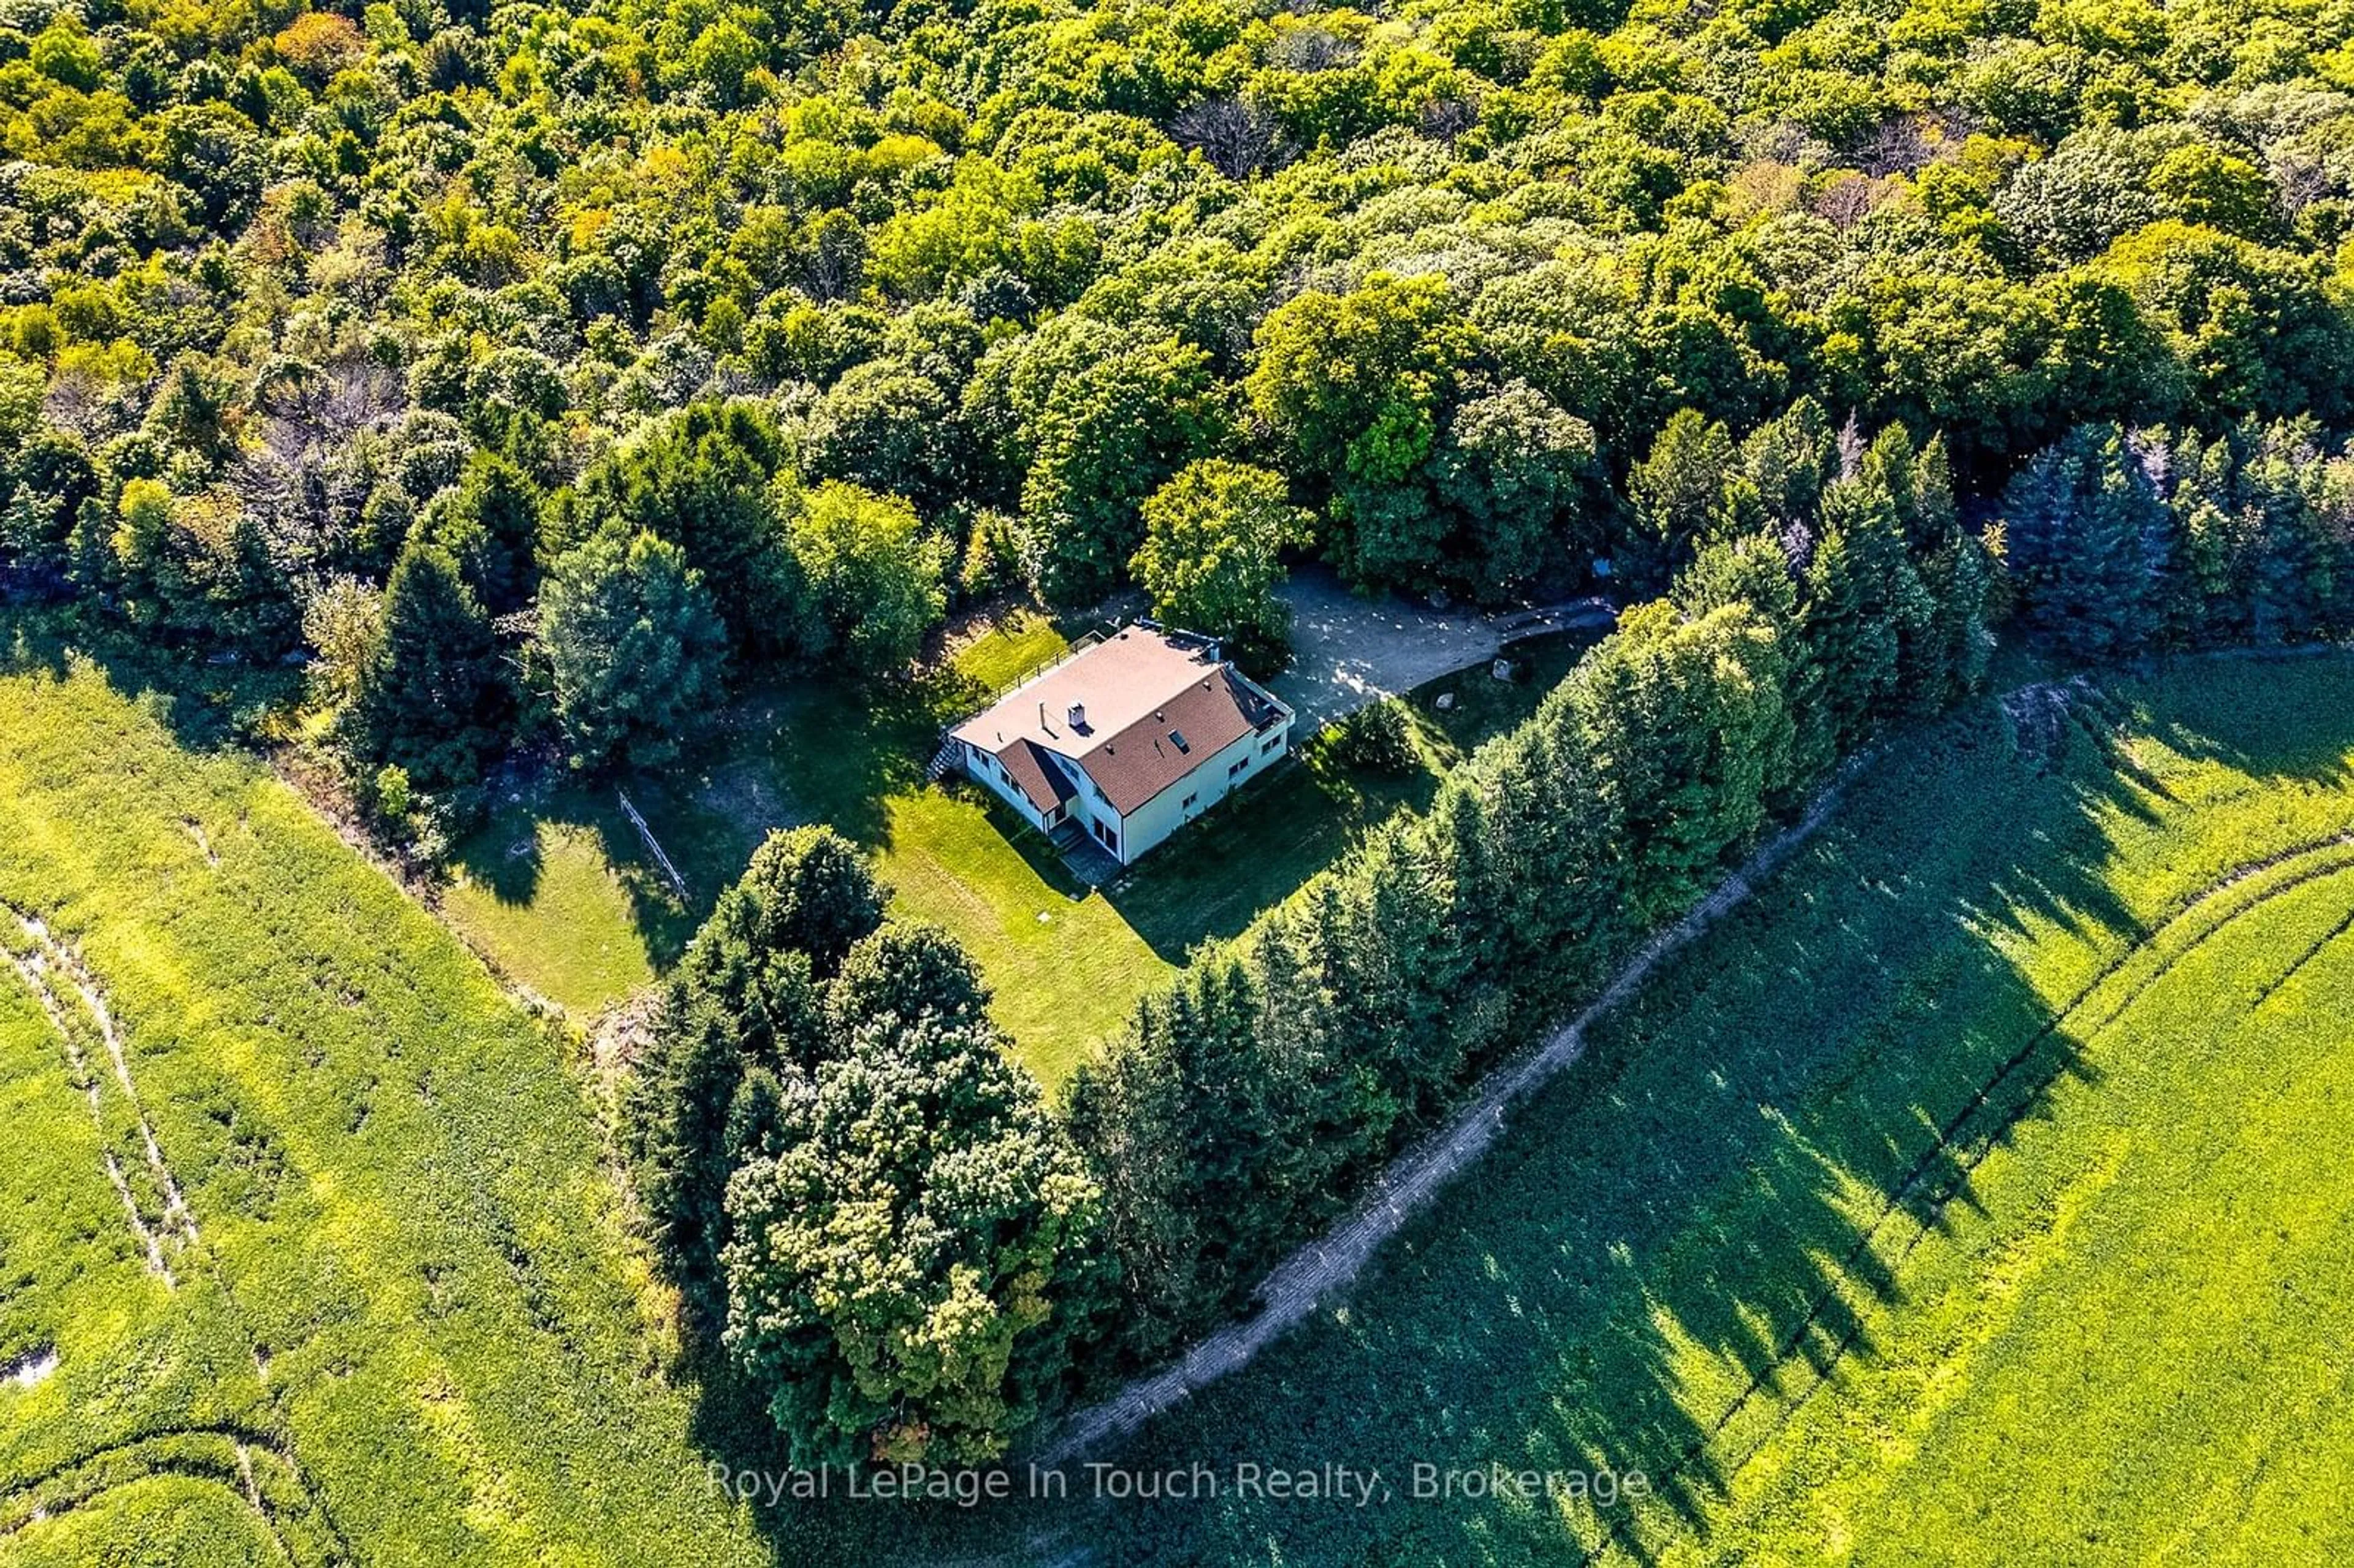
1079	716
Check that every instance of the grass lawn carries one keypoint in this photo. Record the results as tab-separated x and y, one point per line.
575	896
1980	1192
327	1261
561	896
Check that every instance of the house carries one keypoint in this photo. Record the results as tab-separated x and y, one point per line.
1124	741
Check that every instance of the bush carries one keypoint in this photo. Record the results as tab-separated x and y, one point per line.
1377	739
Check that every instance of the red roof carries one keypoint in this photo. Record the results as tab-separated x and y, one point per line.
1152	707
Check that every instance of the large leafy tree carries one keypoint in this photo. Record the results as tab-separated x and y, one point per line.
912	1249
888	426
1512	467
873	576
635	650
1355	386
1085	421
1212	552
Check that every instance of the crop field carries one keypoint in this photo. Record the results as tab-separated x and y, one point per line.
1979	1191
561	896
306	1252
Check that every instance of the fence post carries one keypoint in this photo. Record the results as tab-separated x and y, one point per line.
653	846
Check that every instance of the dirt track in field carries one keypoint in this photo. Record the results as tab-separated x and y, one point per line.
1331	1263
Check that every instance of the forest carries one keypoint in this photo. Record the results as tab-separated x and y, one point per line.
527	378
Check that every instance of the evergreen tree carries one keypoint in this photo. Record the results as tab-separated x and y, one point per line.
704	480
431	695
490	524
2079	517
1847	637
1787	461
745	1008
635	649
1755	572
1690	490
1686	724
1958	645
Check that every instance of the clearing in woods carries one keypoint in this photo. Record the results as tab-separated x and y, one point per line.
561	896
1979	1191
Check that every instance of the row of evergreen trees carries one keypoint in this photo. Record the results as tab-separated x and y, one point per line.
1248	1102
2124	542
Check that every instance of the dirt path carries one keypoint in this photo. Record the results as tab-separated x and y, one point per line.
1332	1262
42	961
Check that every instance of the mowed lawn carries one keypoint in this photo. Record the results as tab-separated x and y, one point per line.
561	895
368	1295
1982	1191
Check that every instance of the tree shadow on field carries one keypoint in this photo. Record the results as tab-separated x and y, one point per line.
1675	1243
2284	717
207	706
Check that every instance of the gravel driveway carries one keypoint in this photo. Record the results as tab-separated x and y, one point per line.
1349	650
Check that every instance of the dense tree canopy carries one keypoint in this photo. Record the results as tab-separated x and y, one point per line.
498	277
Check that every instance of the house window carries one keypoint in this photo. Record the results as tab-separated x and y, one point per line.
1105	834
1238	767
1187	803
1270	743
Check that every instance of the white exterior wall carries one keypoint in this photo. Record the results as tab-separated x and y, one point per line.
1089	807
1207	784
1157	817
981	765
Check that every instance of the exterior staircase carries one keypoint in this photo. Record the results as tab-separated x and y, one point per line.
1084	859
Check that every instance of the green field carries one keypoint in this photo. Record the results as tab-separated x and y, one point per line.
1980	1192
562	898
368	1295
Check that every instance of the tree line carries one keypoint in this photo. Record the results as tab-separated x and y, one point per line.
2132	541
374	336
1835	592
